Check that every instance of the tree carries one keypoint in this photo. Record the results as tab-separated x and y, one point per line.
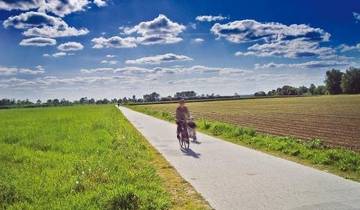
350	82
312	89
333	81
302	90
260	93
320	90
185	94
151	97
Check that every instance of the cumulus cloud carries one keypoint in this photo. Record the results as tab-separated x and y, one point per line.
110	62
114	42
57	54
198	40
20	4
44	25
6	71
346	48
289	49
251	30
356	16
158	59
110	56
70	46
160	30
305	65
38	42
210	18
57	7
100	3
141	71
275	39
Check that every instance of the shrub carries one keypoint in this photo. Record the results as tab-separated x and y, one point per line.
125	200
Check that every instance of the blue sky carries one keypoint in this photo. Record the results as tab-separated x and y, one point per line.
113	48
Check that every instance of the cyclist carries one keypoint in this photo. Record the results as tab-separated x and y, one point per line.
182	114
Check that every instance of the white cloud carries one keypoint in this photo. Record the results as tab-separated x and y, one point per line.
110	62
288	49
110	56
198	40
356	16
44	25
114	42
100	3
58	31
57	54
6	71
160	30
158	59
57	7
305	65
251	30
38	42
70	46
346	48
210	18
275	39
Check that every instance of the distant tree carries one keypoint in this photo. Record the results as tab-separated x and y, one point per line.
56	101
312	89
185	94
302	90
114	101
92	101
151	97
320	90
260	93
38	101
351	81
333	81
84	100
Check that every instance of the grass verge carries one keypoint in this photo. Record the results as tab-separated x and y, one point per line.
84	157
340	161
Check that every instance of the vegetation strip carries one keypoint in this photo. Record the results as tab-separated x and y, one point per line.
339	161
84	157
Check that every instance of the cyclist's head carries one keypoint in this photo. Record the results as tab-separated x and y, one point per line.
182	102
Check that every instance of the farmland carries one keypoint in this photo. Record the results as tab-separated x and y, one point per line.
84	157
335	120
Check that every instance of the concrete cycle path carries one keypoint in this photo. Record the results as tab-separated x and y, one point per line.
230	176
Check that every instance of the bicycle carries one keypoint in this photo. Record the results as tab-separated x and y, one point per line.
182	134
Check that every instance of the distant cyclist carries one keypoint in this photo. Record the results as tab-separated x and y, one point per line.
182	115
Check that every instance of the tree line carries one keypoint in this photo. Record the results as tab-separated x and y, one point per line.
336	82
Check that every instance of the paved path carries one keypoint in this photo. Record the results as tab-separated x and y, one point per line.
229	176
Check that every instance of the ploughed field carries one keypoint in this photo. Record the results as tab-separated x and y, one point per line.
333	119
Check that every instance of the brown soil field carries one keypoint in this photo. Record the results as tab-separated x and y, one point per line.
333	119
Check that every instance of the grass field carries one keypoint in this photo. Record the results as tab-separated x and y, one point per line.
84	157
333	119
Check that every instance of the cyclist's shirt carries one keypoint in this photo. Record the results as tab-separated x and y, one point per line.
182	113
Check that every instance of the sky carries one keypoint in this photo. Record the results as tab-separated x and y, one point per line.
115	48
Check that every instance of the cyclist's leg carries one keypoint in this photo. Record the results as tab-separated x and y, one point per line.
178	129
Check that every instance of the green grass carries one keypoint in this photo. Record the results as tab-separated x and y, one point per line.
340	161
80	157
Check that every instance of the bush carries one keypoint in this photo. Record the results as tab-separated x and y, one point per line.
125	200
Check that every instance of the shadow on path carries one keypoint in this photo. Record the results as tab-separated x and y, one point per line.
190	152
